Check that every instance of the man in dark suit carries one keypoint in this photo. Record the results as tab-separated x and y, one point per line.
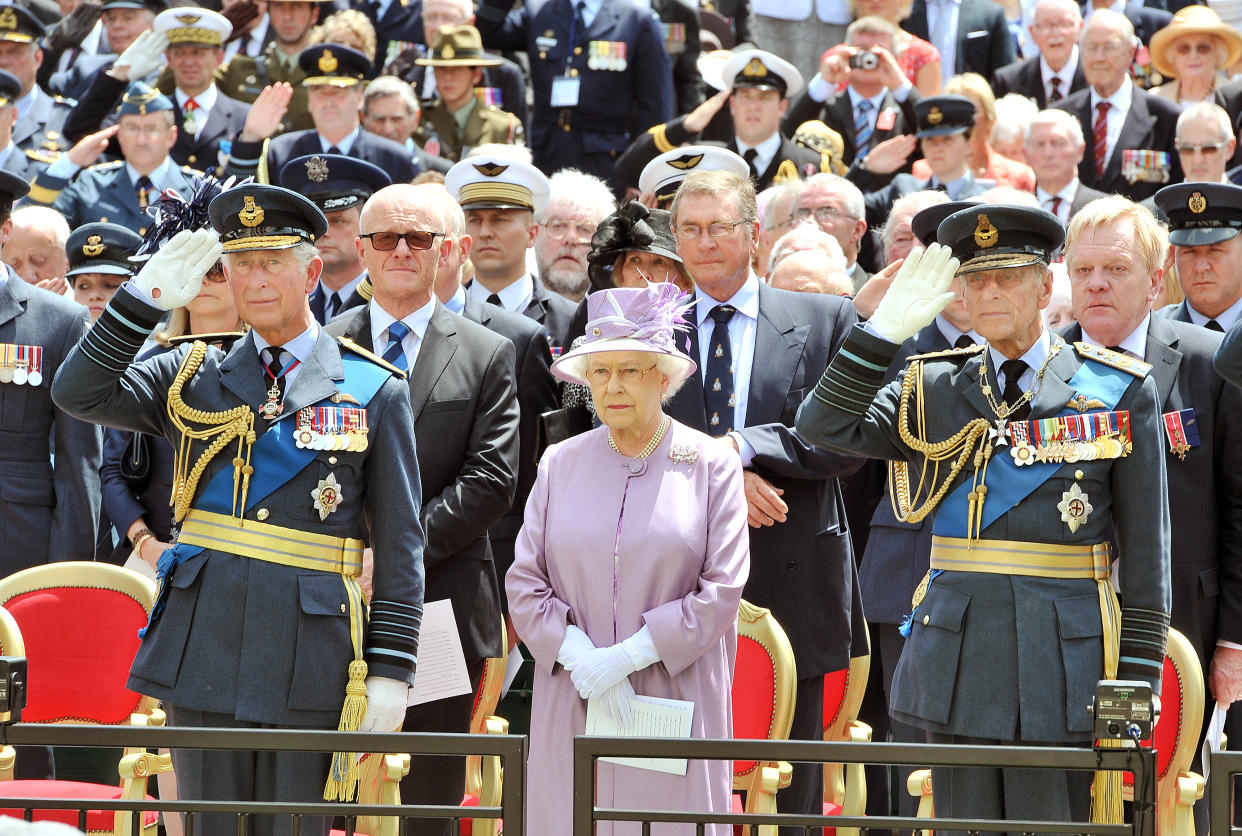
335	82
1146	20
1054	148
877	104
466	415
974	38
1057	70
773	342
1131	151
204	116
500	198
1201	413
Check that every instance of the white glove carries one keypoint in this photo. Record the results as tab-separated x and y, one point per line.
145	55
574	648
174	275
641	649
385	704
919	291
600	670
616	701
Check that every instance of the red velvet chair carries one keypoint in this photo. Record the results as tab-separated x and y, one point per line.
79	623
765	683
845	787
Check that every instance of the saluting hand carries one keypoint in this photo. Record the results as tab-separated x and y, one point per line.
268	110
174	275
698	119
919	291
87	149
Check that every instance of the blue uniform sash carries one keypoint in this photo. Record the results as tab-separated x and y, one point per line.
276	459
1013	483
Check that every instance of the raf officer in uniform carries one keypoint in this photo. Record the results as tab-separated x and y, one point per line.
1003	647
457	119
600	75
119	192
24	164
336	76
40	116
249	631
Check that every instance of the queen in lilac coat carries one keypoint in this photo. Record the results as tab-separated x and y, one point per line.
629	569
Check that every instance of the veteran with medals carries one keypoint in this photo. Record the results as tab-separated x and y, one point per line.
261	621
1025	452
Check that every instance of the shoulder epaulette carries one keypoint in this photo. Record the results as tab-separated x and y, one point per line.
65	100
374	358
41	156
106	166
1116	359
192	171
949	353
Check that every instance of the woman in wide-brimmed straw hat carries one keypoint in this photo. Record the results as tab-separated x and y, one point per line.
1194	49
629	568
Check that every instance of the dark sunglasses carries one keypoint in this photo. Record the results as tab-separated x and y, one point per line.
417	240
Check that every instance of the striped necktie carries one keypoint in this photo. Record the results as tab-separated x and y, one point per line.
863	127
1099	131
395	352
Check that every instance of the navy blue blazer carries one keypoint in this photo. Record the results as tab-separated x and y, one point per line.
388	155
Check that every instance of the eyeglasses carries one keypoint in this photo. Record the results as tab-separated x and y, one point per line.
387	241
1210	149
719	229
600	375
823	214
157	129
1200	47
558	228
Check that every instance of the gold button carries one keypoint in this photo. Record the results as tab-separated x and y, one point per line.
142	231
192	158
262	514
573	71
1077	474
103	220
926	620
543	56
577	50
332	460
566	128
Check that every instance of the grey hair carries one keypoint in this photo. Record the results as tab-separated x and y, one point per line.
774	196
1207	112
46	218
390	85
909	205
1014	113
712	183
1109	18
1054	118
676	368
305	253
811	238
854	202
570	188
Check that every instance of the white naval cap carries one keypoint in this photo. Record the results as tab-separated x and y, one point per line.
664	174
496	182
756	68
192	26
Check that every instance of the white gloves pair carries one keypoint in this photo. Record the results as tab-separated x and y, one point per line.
385	705
919	291
603	673
145	55
174	275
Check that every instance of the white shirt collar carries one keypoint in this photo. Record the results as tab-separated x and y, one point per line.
158	177
1066	194
1135	343
764	151
1066	74
345	145
300	346
1034	356
876	100
205	100
1120	100
514	297
1226	320
745	301
416	320
457	303
951	333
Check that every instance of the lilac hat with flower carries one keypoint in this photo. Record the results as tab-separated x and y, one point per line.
631	319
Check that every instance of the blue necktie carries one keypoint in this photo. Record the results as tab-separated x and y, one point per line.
862	128
718	385
394	353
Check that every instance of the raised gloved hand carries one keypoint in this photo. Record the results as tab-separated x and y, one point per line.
574	648
385	704
144	56
616	702
919	291
604	667
174	275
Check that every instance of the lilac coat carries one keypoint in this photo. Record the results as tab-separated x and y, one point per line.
678	530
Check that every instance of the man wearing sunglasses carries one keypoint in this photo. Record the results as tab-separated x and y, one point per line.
465	405
1205	143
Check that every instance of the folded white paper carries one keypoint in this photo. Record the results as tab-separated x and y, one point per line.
441	671
1211	740
653	717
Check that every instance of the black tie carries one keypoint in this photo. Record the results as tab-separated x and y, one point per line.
1012	370
335	150
1055	94
495	300
274	368
143	187
1213	325
718	385
330	306
963	341
749	156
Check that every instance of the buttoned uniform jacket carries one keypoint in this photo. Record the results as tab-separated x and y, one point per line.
1205	488
49	500
1006	657
461	391
805	162
1150	125
373	148
486	123
41	131
802	569
984	43
683	54
506	77
1026	78
243	78
104	192
837	112
263	642
614	105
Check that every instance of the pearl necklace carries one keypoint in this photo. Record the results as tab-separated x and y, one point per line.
665	423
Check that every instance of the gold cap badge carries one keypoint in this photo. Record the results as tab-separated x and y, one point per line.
94	246
251	213
188	19
755	69
490	169
1197	203
986	235
317	169
8	18
686	161
328	62
448	53
934	116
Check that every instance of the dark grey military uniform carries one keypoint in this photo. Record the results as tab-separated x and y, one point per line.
105	192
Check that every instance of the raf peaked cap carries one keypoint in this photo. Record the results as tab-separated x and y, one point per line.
756	68
494	182
664	174
18	24
334	64
943	115
927	221
12	188
102	248
260	217
992	237
10	88
1201	213
334	182
141	98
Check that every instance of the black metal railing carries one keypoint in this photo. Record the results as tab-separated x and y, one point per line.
1223	766
510	748
588	749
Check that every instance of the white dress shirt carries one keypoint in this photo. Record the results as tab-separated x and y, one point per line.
514	297
416	321
1065	76
1226	320
1135	344
345	145
205	101
765	151
1034	359
1120	102
1067	197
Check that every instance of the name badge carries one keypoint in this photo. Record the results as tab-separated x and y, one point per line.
565	91
886	120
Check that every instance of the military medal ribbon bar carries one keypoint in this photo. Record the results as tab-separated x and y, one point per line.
1071	438
21	364
332	428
